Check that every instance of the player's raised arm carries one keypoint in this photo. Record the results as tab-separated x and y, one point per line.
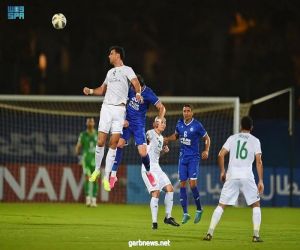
161	110
221	161
138	89
259	168
205	152
97	91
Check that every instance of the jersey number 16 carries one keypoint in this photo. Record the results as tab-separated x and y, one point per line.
241	151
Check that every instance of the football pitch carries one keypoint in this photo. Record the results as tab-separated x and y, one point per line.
74	226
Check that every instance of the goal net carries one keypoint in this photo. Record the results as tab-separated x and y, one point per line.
38	135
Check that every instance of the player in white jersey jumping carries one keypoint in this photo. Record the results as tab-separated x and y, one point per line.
115	90
155	148
243	148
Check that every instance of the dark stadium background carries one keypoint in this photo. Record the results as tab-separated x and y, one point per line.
182	48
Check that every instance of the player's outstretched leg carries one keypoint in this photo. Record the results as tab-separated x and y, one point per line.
98	159
146	163
183	201
110	157
113	177
199	210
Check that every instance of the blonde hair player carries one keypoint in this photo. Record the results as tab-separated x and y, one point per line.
155	149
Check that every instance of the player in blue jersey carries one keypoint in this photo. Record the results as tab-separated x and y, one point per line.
136	118
189	131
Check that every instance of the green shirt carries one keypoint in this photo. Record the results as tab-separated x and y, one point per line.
88	143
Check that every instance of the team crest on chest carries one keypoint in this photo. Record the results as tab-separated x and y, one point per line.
191	129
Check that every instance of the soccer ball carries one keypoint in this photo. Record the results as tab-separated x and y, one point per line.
59	21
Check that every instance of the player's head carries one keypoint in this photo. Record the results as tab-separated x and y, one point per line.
247	123
187	112
159	124
90	123
141	80
116	53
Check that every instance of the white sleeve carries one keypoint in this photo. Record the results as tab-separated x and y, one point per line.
227	144
149	135
106	79
257	147
130	73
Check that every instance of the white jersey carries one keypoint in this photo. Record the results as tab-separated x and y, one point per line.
154	148
117	85
242	148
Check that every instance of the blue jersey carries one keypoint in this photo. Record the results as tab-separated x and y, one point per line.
135	111
189	137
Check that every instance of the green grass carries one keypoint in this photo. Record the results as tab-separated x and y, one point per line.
73	226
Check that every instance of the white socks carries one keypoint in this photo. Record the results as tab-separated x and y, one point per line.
88	200
215	219
169	204
98	156
154	208
110	158
256	219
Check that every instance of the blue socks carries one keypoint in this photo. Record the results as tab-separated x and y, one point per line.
146	162
118	159
196	197
183	199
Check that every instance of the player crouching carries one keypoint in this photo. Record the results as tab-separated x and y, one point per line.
155	148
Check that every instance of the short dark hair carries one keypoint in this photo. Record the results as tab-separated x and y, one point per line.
141	80
247	123
120	50
188	106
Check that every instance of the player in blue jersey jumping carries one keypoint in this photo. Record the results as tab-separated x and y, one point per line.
136	118
189	131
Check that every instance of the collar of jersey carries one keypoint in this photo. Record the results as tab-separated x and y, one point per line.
189	122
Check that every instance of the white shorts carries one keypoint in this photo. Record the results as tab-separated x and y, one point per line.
161	178
112	119
232	188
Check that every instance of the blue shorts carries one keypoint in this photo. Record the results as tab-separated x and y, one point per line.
138	132
188	168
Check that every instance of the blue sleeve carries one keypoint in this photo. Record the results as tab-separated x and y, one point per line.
151	97
201	130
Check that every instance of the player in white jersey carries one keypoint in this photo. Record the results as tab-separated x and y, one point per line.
115	90
155	149
243	148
